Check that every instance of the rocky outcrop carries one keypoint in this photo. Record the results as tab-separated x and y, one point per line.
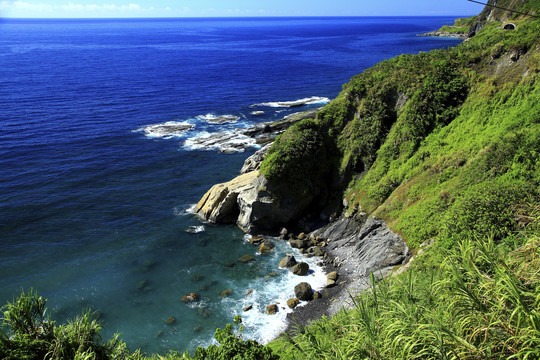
366	248
219	204
253	162
462	36
251	202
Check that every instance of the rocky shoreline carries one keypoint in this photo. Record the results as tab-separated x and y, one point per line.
461	36
350	248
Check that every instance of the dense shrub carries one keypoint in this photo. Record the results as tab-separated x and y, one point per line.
300	159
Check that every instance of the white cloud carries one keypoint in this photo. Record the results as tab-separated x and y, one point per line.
29	9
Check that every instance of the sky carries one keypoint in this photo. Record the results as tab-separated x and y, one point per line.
232	8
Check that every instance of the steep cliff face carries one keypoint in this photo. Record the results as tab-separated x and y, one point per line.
416	140
501	11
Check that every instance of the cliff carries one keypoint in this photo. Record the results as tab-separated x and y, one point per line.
416	140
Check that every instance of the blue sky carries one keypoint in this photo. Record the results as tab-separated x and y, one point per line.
211	8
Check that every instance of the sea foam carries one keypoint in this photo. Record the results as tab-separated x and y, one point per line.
225	141
296	103
166	130
218	119
275	290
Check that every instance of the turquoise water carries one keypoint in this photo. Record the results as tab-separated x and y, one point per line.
94	211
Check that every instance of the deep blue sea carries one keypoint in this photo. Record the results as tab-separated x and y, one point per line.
95	198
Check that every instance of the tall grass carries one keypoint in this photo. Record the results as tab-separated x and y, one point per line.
480	303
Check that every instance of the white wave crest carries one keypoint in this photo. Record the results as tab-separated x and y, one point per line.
227	141
296	103
166	130
218	119
182	211
275	290
195	229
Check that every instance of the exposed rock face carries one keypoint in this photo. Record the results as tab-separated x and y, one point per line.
219	204
253	162
250	201
371	247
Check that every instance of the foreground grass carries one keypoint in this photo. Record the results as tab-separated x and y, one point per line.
481	303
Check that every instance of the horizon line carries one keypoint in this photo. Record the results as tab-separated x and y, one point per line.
225	17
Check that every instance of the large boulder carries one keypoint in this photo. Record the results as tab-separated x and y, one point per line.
303	291
300	269
272	309
252	202
287	262
292	303
219	204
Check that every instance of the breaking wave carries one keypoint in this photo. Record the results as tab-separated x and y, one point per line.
296	103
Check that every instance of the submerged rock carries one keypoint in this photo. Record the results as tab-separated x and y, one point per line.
225	293
247	258
191	297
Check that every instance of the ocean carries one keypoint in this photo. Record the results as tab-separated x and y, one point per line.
101	160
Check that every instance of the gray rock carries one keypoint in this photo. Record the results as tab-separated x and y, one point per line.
254	161
287	262
303	291
372	246
298	244
300	269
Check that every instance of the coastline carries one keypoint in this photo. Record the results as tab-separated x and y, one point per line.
445	34
352	247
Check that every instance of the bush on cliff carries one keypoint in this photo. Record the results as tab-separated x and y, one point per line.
299	160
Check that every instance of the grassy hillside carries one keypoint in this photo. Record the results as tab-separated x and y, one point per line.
441	144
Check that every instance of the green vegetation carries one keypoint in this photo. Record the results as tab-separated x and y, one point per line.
445	147
481	303
461	26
